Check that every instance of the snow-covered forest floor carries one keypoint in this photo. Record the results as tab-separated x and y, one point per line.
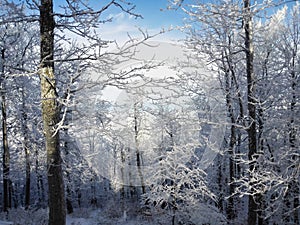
87	216
95	217
109	215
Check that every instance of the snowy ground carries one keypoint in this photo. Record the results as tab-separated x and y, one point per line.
79	217
97	217
111	215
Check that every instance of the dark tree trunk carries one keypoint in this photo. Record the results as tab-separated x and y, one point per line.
6	155
26	150
68	176
50	112
138	154
40	180
232	141
28	182
252	205
69	197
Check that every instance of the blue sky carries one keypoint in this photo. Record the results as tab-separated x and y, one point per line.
155	13
155	17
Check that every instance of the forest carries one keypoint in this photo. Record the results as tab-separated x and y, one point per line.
199	130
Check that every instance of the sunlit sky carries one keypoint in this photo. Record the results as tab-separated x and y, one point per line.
155	17
155	13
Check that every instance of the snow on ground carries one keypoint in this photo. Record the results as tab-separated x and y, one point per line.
79	221
88	216
97	217
83	221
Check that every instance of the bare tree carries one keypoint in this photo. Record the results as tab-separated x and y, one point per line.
223	34
6	153
50	113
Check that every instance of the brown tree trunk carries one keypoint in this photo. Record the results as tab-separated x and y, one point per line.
50	112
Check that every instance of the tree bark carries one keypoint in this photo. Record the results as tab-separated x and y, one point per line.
50	112
28	180
27	152
6	155
232	142
39	179
67	172
252	205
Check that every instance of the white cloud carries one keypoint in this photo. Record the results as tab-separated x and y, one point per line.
120	17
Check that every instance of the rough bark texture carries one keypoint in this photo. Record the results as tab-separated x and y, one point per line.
252	205
50	112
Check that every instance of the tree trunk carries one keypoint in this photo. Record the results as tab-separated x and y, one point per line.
39	180
50	112
28	182
68	176
232	141
252	205
6	155
69	195
137	146
68	164
26	150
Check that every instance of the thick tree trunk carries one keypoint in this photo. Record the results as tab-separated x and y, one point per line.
252	205
50	112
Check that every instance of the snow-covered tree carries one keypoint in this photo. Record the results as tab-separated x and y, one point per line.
227	35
